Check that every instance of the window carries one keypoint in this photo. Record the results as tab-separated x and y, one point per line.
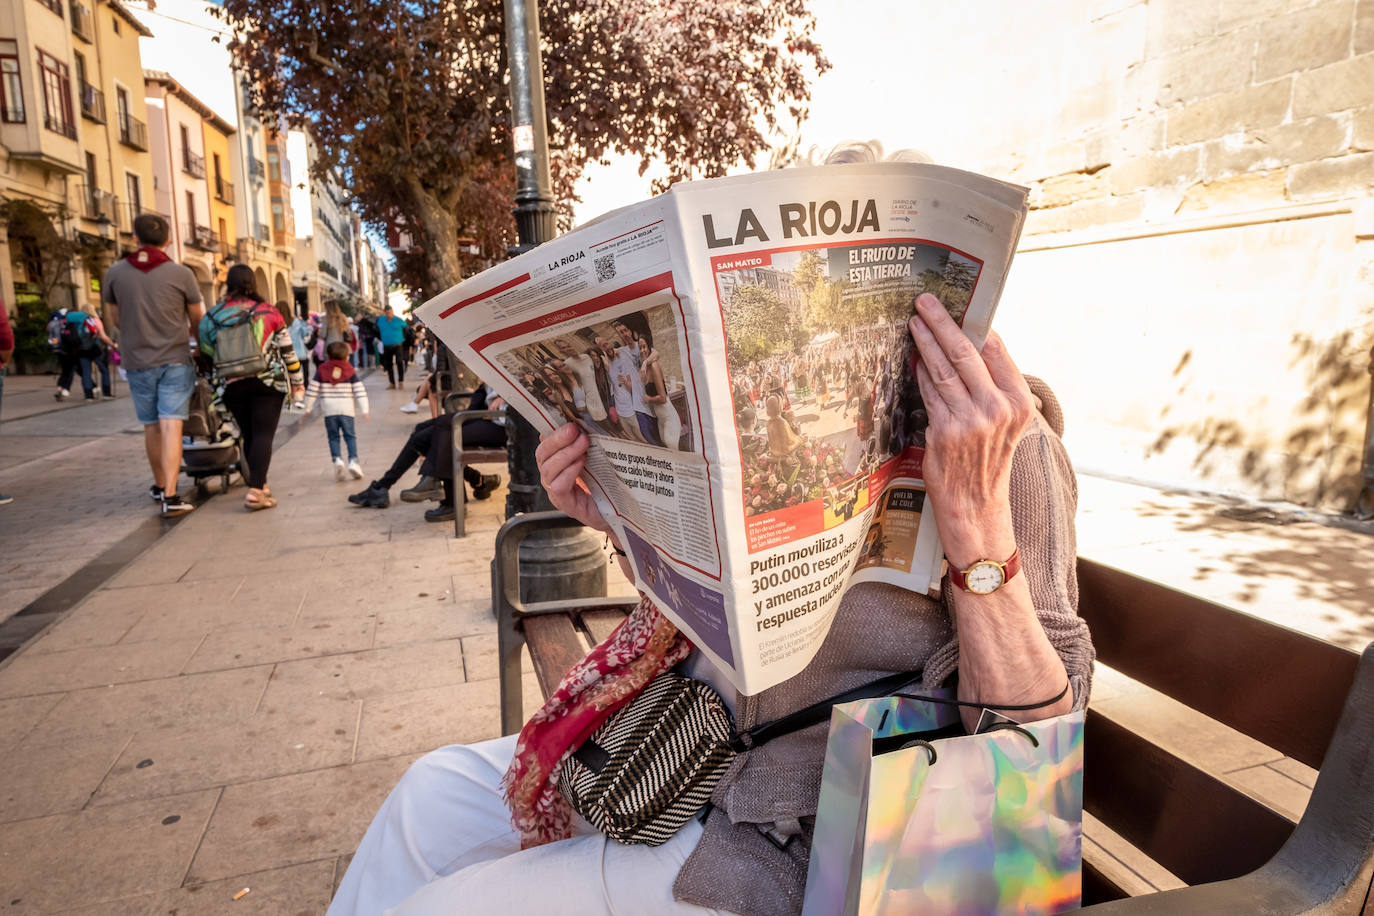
122	106
57	95
55	6
219	172
273	166
135	192
185	138
224	235
114	22
80	68
11	84
90	172
278	218
190	212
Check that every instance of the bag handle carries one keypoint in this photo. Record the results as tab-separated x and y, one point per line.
817	712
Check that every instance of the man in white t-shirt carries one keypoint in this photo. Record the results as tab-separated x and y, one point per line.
624	371
581	365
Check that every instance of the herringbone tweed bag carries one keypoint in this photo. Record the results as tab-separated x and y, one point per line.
652	765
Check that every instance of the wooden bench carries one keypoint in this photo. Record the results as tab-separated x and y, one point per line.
1306	699
465	456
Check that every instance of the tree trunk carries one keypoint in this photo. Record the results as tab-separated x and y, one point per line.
440	241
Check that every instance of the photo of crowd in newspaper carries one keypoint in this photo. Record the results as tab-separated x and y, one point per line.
617	377
820	359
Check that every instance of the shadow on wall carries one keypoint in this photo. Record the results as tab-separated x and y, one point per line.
1318	460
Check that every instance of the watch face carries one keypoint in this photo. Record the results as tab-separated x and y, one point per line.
984	577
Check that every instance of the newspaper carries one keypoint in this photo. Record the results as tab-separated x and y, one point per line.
737	351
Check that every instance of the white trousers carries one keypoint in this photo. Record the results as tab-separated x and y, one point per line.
442	844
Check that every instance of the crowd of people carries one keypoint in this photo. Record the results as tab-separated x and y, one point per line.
611	385
795	453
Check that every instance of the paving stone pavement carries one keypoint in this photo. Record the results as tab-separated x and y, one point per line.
230	709
79	480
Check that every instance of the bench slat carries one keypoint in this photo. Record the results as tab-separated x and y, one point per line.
1191	823
1097	886
1281	687
554	648
600	624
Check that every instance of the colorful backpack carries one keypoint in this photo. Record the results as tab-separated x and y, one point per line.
238	352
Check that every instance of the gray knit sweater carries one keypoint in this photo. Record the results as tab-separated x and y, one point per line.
878	630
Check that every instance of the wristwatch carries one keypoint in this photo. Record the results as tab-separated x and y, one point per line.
983	577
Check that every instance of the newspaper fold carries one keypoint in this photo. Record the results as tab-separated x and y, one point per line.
737	352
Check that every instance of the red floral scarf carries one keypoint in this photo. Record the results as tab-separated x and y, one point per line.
644	646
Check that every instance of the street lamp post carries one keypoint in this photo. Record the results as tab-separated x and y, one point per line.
568	562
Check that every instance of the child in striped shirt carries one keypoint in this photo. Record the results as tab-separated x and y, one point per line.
337	386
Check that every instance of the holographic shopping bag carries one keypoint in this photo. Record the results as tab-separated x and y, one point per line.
948	826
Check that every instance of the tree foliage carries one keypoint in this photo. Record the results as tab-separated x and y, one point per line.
758	324
409	97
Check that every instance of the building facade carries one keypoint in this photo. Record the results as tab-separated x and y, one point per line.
262	246
326	265
179	125
74	154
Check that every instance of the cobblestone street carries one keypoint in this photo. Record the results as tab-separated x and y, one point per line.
79	479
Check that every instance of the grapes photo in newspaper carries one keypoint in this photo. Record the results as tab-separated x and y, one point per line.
616	377
820	366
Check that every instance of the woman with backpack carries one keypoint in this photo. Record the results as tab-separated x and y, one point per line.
252	351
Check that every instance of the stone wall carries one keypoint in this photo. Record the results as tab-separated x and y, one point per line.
1197	272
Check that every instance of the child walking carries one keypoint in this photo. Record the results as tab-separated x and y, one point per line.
338	387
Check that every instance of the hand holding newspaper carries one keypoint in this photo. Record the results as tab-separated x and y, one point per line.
737	352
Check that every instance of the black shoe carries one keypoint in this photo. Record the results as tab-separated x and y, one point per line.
441	513
483	490
427	489
175	505
373	497
155	492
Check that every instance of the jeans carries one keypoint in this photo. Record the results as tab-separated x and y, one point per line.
341	426
96	358
163	392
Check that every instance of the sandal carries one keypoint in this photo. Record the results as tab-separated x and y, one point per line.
257	499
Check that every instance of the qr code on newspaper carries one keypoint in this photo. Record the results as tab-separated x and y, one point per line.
605	268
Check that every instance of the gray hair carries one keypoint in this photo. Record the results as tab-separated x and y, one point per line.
850	151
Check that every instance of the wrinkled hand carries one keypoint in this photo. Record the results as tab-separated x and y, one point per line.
562	456
978	405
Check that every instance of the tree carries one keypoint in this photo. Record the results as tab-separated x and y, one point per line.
757	324
409	99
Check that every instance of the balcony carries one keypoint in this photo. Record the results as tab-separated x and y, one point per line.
200	237
98	205
262	233
64	127
92	103
83	24
256	169
224	191
192	164
133	132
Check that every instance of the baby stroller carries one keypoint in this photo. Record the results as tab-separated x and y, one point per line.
210	443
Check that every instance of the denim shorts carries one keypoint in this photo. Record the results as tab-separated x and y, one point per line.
162	393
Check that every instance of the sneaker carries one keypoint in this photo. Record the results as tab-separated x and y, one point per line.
155	492
339	469
90	399
374	497
412	407
427	489
96	395
355	470
5	498
175	505
61	394
298	405
441	513
483	490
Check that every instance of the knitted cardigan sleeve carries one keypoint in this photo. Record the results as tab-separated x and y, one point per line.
1044	497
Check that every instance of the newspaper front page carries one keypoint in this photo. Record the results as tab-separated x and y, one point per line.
737	352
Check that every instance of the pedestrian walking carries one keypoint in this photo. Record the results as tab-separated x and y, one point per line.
300	333
155	305
391	328
6	353
83	337
248	341
338	388
66	362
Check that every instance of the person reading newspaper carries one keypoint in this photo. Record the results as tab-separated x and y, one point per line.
482	828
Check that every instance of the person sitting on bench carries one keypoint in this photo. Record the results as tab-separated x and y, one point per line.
432	440
1001	487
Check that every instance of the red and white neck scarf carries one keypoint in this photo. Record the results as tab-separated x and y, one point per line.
645	645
